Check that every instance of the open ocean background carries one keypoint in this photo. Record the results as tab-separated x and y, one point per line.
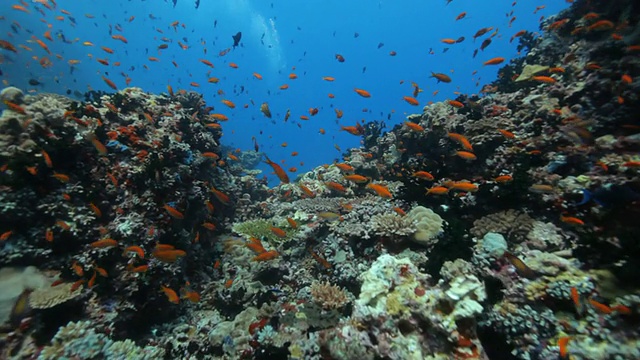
278	38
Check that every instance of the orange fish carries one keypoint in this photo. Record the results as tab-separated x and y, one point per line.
104	243
191	295
507	134
328	78
76	285
206	62
462	140
222	197
47	159
571	220
423	175
102	150
20	8
414	126
173	212
356	178
335	186
363	93
120	37
229	103
278	232
344	167
110	83
292	223
268	255
219	117
5	235
307	191
15	107
95	209
228	283
601	25
42	45
101	271
92	280
381	190
600	307
503	179
282	175
456	104
320	259
562	344
171	295
61	177
437	190
466	155
168	255
575	297
411	100
441	77
464	186
211	155
544	79
624	310
255	245
209	226
284	87
293	76
494	61
77	269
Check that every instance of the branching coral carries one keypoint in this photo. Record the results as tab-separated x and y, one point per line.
393	225
79	341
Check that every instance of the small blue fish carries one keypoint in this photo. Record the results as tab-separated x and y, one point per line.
610	196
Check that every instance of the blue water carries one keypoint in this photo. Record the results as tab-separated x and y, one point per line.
301	34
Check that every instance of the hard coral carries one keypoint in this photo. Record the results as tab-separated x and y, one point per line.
328	296
49	297
429	225
393	225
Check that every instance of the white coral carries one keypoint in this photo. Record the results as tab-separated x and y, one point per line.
428	225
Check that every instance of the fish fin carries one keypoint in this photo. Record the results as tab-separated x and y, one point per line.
586	197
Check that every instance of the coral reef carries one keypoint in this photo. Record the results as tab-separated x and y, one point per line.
499	225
